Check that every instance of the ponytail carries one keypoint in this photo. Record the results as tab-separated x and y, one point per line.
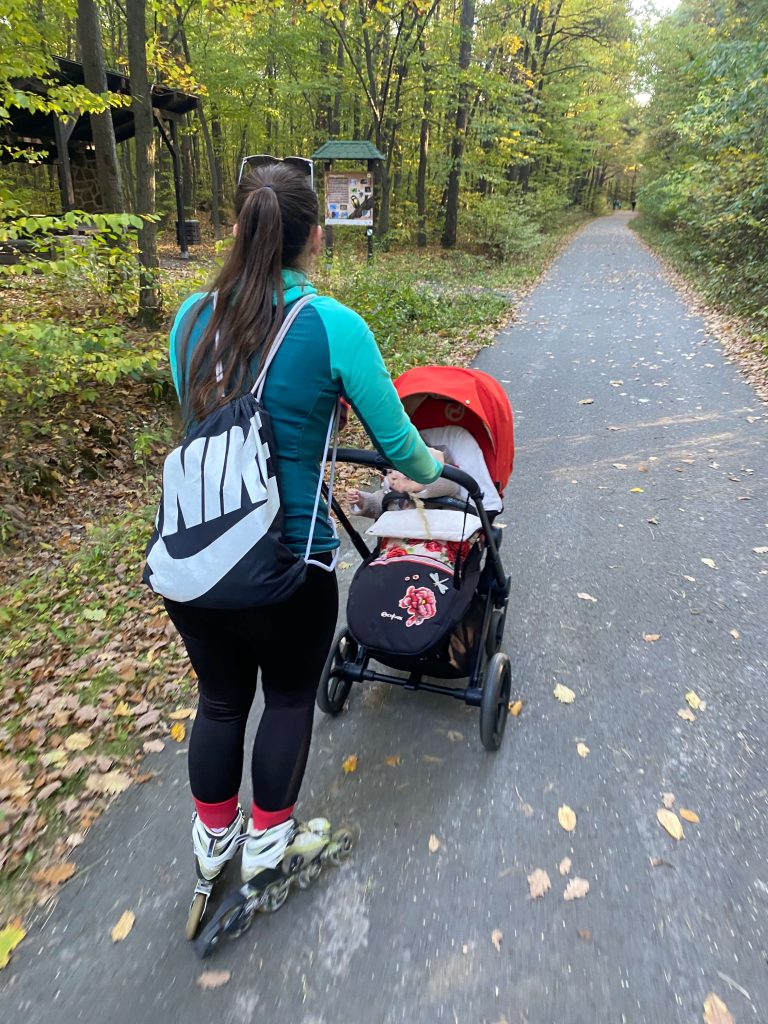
276	209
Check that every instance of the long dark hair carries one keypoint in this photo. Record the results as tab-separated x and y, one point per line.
276	210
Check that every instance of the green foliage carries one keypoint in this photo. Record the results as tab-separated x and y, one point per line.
707	153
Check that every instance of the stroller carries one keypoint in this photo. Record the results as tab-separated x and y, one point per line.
430	599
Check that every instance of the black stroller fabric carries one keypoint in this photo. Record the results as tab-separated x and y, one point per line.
408	608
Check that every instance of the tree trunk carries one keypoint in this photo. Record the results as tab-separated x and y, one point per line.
466	28
212	166
95	77
421	179
150	296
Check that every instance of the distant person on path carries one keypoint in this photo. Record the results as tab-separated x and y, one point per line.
633	201
218	343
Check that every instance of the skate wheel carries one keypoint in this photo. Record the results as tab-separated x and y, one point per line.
275	896
231	920
310	874
341	846
196	911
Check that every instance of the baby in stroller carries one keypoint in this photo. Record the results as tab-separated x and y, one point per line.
397	492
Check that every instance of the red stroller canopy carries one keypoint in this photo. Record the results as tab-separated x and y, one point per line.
451	396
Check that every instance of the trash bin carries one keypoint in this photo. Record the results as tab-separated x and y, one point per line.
191	232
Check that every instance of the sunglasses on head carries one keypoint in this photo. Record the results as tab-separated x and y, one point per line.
262	160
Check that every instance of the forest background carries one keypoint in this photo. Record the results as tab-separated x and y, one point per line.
503	125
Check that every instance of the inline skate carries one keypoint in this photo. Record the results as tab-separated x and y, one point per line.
213	849
272	861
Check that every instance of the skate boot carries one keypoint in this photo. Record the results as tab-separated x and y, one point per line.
272	861
213	848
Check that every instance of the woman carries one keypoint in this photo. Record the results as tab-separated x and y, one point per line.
217	347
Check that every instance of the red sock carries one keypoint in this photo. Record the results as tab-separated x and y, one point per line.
217	815
268	819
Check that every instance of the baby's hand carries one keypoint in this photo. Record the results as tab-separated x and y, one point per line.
402	484
353	496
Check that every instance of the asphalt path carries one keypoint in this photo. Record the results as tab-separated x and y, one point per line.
641	452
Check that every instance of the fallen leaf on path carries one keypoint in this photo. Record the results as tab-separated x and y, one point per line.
710	562
496	936
659	862
153	746
619	465
213	979
584	934
431	759
103	763
691	579
760	551
78	741
715	1011
515	707
110	783
181	714
567	817
582	750
455	736
693	700
538	883
563	694
349	764
636	490
434	844
565	866
178	732
651	638
686	714
687	815
668	800
392	762
123	927
734	633
94	614
586	401
670	821
576	889
653	521
10	937
587	597
56	873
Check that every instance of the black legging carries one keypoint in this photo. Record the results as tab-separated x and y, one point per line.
289	642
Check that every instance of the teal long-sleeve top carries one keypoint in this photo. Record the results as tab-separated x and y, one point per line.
329	352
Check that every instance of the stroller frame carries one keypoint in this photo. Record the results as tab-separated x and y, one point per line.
489	679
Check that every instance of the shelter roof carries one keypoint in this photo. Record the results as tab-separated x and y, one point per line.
351	149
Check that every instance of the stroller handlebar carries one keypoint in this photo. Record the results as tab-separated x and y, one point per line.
375	461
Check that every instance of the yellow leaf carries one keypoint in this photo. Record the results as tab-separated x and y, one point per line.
693	700
213	979
496	936
651	638
78	741
567	818
123	927
455	736
691	816
715	1011
182	713
55	874
576	889
565	866
686	714
349	764
434	844
636	490
709	562
393	762
670	821
582	750
110	782
10	937
538	883
123	710
563	694
178	732
515	707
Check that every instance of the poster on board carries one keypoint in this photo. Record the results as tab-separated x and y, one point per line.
349	199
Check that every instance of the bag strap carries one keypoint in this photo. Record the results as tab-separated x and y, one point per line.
331	436
296	308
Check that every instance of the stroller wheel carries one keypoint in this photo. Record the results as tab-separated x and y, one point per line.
334	687
496	631
494	706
